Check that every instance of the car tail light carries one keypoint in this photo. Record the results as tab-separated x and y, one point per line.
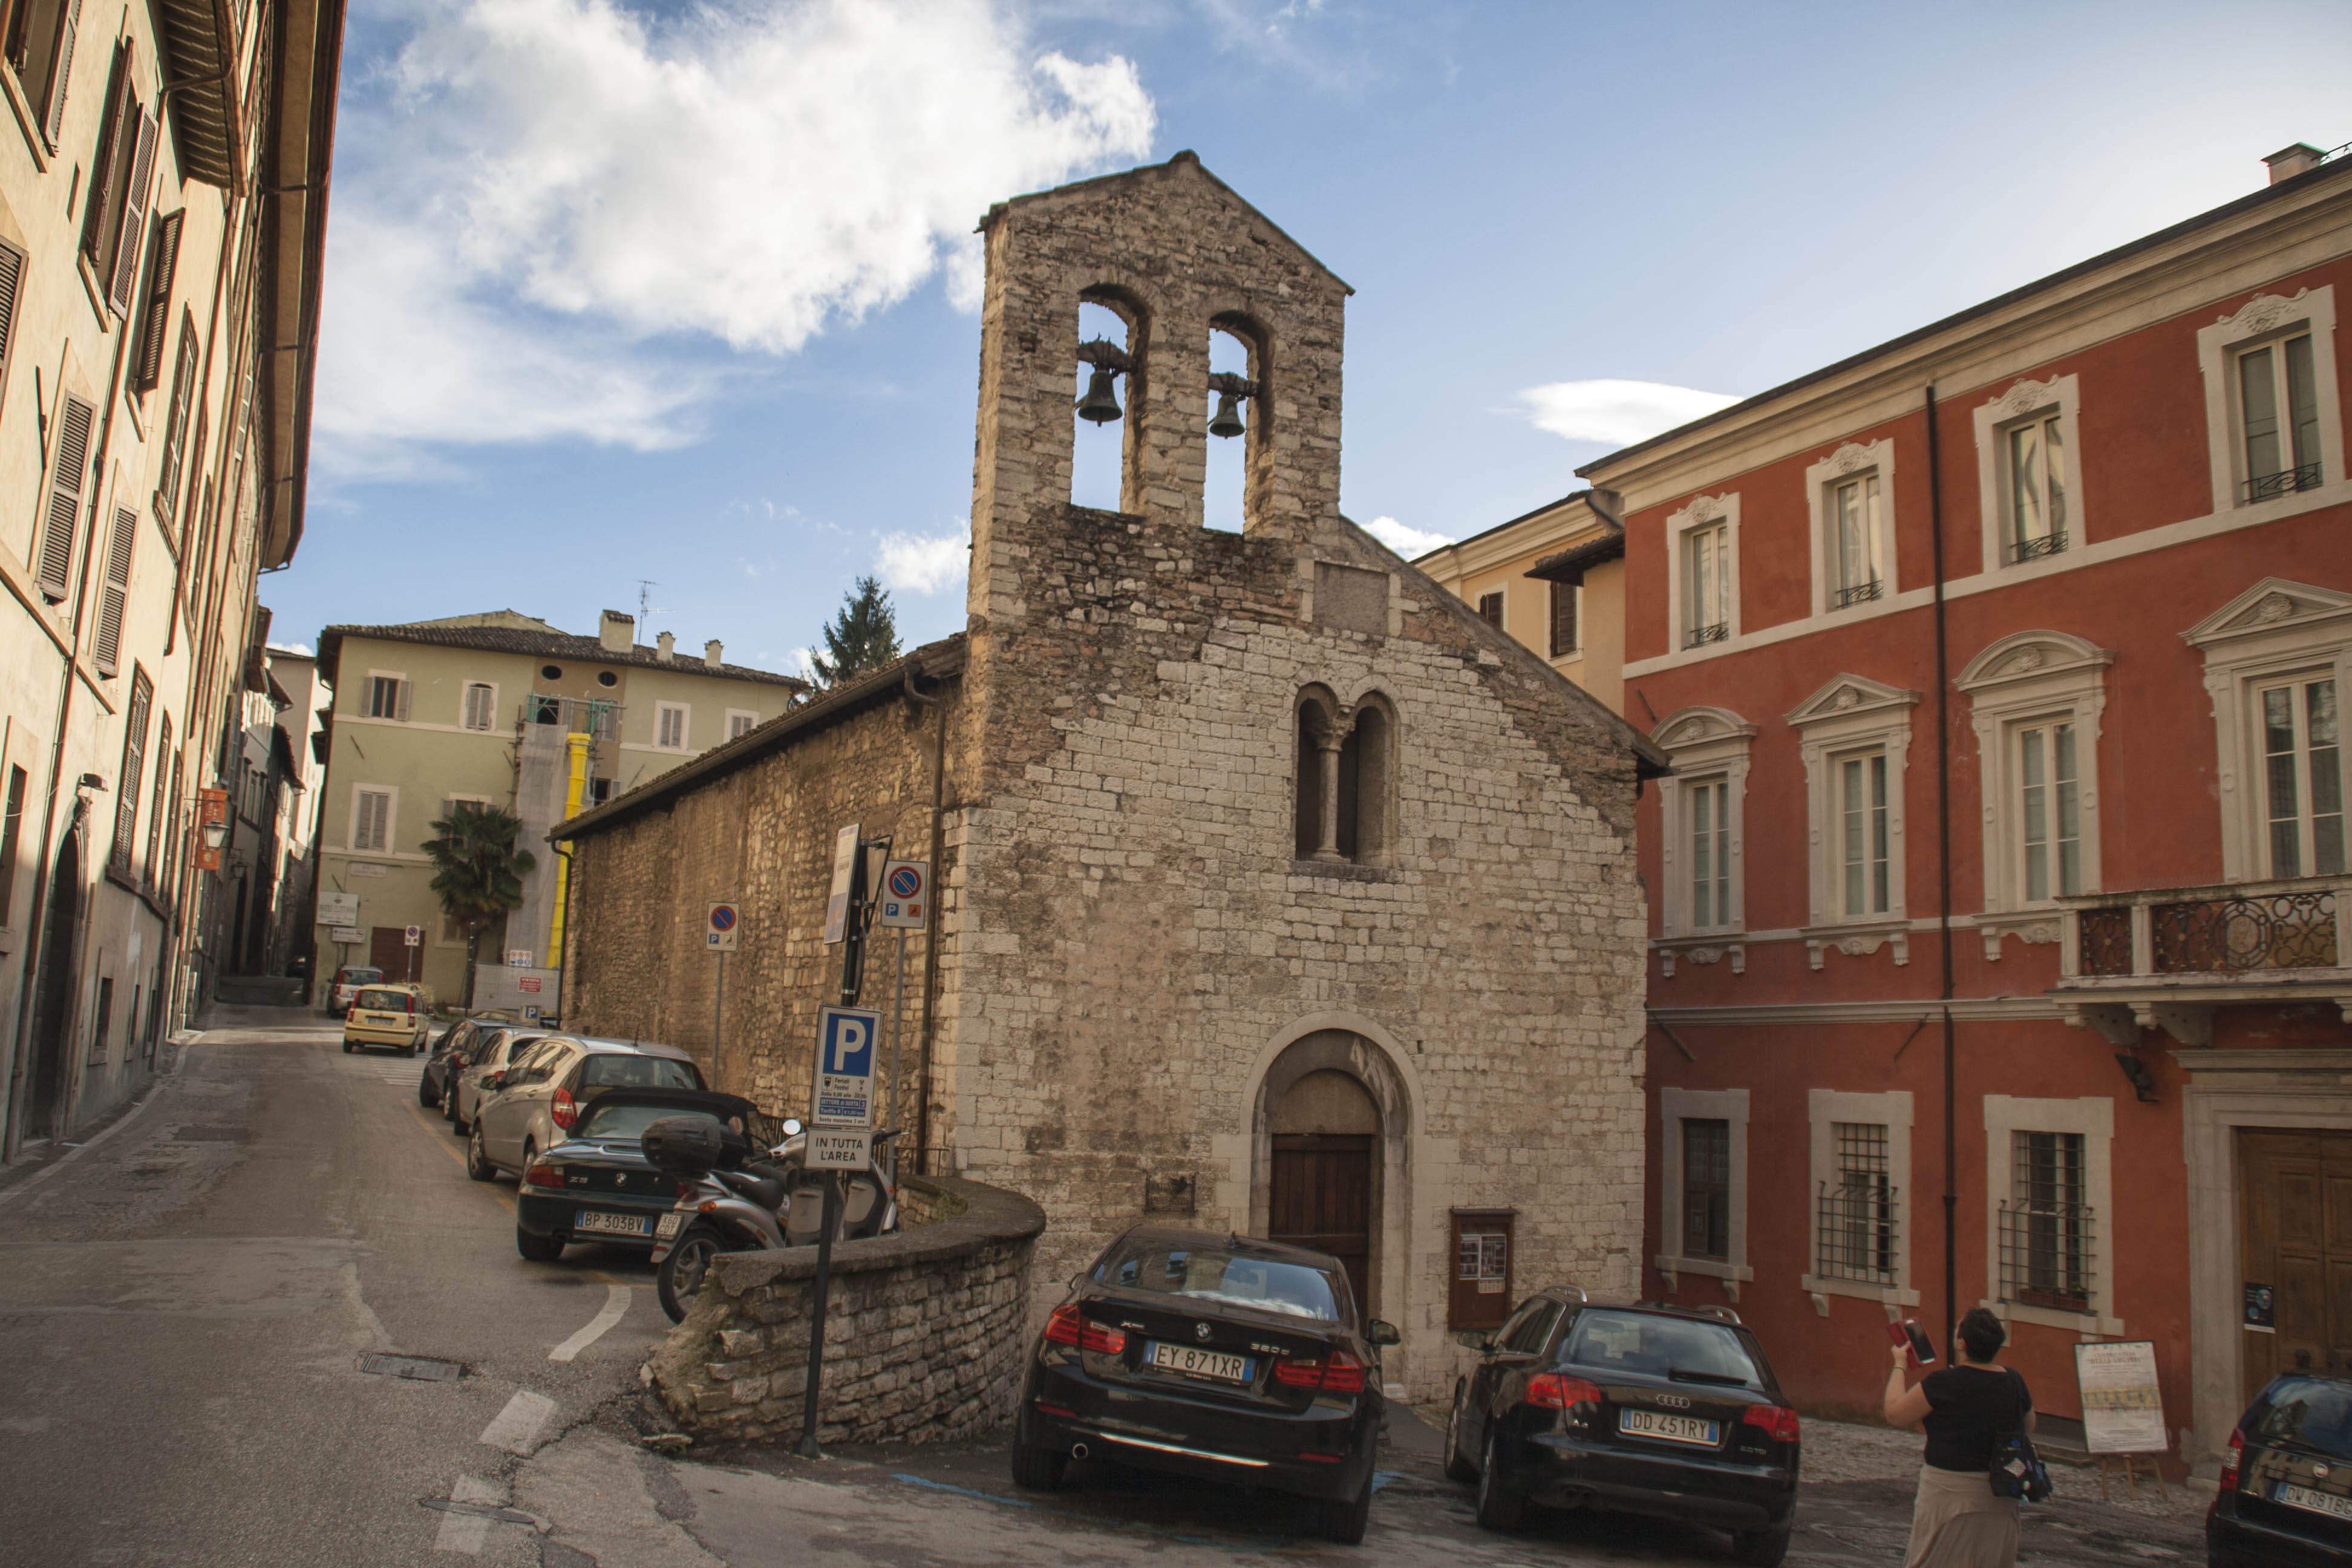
1342	1374
2232	1457
1063	1411
540	1174
566	1110
1068	1326
1552	1390
1779	1422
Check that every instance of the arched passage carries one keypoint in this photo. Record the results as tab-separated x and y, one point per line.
1331	1135
53	998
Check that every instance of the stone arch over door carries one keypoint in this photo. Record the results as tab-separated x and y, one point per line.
1359	1055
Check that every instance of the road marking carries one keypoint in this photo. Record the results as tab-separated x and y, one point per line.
616	1307
516	1428
462	1531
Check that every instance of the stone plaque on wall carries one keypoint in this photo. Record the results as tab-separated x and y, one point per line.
1351	599
1166	1194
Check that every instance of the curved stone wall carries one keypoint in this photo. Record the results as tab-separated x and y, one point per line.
924	1333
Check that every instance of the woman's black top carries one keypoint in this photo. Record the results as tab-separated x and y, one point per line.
1967	1407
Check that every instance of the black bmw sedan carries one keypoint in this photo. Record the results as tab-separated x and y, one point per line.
2285	1498
1639	1407
596	1186
1214	1355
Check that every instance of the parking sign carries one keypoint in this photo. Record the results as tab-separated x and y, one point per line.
905	894
724	927
843	1095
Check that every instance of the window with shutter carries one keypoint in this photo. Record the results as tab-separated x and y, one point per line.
106	176
172	833
371	820
481	705
1563	619
155	316
387	697
183	379
48	59
131	231
158	821
192	462
11	827
134	767
669	726
61	517
12	278
115	593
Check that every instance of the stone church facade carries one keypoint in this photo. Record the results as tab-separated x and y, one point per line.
1278	892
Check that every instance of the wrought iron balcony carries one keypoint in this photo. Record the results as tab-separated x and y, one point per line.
2286	481
1698	635
1861	593
2166	957
2051	544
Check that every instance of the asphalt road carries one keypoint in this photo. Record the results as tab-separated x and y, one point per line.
188	1306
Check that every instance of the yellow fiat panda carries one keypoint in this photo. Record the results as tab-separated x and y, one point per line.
397	1017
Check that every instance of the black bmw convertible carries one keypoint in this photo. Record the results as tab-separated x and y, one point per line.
1214	1355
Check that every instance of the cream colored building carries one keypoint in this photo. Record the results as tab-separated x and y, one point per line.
1555	579
480	707
160	254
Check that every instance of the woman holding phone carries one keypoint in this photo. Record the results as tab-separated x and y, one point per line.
1956	1521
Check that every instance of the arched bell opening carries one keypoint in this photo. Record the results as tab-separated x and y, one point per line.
1111	394
1231	415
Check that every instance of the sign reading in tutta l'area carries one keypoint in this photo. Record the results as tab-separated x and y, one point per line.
905	894
839	1148
843	1095
723	927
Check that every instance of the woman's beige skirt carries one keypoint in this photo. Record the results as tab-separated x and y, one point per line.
1957	1522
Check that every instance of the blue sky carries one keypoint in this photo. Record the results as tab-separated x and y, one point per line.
685	293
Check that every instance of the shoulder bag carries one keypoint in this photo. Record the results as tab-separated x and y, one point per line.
2017	1471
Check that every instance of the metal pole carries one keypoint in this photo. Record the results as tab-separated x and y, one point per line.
809	1449
897	1027
718	1011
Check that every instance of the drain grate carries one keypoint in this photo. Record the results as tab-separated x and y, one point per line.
423	1369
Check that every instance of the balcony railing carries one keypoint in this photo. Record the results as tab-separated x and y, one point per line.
2051	544
2219	931
1861	593
2047	1254
1699	636
2264	487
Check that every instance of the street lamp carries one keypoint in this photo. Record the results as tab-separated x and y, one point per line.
216	833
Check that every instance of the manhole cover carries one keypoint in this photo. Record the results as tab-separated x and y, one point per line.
423	1368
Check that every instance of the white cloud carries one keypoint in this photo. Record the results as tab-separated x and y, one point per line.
1405	540
301	649
920	564
1616	413
535	192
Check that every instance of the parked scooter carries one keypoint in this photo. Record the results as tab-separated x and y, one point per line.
737	1200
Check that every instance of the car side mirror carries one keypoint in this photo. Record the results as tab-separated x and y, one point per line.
1486	1344
1382	1333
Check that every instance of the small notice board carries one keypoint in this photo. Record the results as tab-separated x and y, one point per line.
2123	1408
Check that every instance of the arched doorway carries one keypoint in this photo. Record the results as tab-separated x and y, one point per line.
1326	1132
53	999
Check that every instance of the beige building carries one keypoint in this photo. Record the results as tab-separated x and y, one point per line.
160	251
1555	579
482	707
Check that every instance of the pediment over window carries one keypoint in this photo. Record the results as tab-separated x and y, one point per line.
2274	604
2032	656
2024	398
1848	697
2261	313
1689	727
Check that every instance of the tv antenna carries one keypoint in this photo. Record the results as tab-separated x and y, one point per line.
645	586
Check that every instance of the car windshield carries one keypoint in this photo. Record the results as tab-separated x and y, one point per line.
389	1001
624	1123
1658	1346
360	976
618	1071
1218	1274
2308	1412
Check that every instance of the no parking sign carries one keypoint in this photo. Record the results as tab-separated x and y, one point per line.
906	893
718	936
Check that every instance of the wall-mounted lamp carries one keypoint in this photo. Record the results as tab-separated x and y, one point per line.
2143	1082
91	781
215	834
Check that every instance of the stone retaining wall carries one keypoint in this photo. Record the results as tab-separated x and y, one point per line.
925	1329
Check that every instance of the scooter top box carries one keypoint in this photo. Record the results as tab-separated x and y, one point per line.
692	1146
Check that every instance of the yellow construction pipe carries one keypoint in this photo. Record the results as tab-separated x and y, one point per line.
572	790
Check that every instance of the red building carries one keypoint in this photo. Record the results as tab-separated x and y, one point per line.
1994	901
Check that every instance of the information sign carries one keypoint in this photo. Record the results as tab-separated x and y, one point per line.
519	958
2122	1409
339	909
347	934
844	864
843	1095
839	1148
721	929
905	894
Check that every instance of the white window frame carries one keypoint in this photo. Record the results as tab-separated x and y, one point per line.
2024	678
2266	318
1824	1108
1871	770
465	695
399	706
735	713
2274	629
2297	684
1705	744
2093	1117
391	820
1851	461
1701	511
1711	1105
2025	403
684	712
1853	714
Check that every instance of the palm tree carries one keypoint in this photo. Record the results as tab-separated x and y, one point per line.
477	871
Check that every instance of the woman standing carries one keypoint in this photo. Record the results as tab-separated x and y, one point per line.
1956	1521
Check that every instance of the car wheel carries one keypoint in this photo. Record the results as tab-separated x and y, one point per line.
1343	1518
478	1159
537	1248
680	1276
347	1047
424	1095
457	1122
1762	1548
1499	1508
1457	1469
1036	1469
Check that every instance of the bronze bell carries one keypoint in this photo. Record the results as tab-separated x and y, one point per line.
1099	404
1227	419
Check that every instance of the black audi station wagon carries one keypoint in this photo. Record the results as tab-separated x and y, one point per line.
2285	1498
1214	1355
1639	1407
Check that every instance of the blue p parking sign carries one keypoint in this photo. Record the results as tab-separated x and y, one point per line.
842	1094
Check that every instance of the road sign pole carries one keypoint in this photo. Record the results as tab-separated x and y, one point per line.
717	1012
824	1286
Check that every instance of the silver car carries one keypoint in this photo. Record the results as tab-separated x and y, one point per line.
534	1103
500	1051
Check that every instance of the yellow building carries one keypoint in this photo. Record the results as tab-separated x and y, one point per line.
1554	578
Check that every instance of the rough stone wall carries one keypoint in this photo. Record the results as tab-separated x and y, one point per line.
925	1333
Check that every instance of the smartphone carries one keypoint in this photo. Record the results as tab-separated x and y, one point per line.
1909	1334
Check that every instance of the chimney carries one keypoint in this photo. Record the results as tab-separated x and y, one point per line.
664	644
710	651
2288	162
616	633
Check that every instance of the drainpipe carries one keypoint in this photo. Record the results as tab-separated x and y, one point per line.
1944	870
931	933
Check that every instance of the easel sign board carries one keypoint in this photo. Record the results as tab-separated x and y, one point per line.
2122	1409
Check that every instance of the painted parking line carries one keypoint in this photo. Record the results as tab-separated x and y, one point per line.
616	1307
467	1532
516	1428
